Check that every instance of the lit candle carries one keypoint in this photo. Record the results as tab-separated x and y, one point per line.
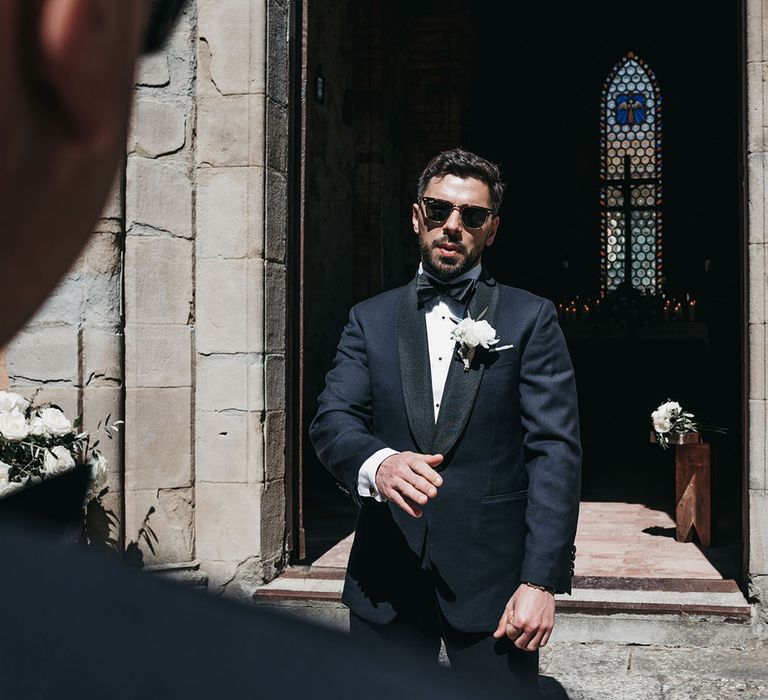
692	310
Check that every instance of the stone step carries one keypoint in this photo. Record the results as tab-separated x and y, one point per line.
592	595
698	612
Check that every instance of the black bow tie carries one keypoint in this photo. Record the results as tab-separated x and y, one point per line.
428	288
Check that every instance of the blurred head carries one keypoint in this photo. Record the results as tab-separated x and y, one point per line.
66	76
456	212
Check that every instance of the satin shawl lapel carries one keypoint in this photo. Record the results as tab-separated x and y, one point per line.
460	386
415	373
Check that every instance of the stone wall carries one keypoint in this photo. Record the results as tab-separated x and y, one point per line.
756	495
174	317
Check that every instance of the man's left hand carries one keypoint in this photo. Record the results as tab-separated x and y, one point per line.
528	618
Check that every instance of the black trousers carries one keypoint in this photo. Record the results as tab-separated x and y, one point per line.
418	632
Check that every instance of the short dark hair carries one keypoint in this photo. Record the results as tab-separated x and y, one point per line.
464	164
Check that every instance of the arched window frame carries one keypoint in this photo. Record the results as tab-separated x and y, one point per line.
618	118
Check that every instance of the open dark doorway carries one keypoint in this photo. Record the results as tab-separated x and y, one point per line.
391	83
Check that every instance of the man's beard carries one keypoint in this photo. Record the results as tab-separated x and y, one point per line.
447	269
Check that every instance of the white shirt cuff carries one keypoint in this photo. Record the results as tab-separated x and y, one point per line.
366	477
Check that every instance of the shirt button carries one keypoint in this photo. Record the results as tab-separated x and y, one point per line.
437	405
439	358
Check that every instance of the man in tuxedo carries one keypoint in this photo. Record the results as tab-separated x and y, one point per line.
468	481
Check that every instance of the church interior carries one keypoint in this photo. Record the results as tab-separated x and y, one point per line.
548	95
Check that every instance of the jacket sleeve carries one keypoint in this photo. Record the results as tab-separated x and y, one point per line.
341	432
552	448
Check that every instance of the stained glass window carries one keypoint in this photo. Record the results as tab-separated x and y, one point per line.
630	174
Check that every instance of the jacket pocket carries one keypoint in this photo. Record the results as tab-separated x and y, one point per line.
502	497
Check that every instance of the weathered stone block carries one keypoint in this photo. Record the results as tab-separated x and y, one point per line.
277	136
158	280
275	308
161	524
100	403
113	206
257	138
223	131
222	447
44	354
757	444
158	355
158	438
755	107
758	533
757	361
273	520
228	521
153	70
222	212
274	443
275	383
255	457
757	283
224	382
756	195
225	32
220	575
256	213
258	54
276	207
102	257
278	64
101	272
104	522
158	197
102	356
230	306
66	305
158	128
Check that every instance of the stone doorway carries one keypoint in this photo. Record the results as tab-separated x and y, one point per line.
388	85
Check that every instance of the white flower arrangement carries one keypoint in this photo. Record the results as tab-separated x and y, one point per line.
670	418
470	334
37	442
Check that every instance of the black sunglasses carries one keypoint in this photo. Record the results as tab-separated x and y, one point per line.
162	17
438	211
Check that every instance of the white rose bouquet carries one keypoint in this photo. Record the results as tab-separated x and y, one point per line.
670	418
37	442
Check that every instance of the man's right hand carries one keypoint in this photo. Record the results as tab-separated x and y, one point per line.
409	480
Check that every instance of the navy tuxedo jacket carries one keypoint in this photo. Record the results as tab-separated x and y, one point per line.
508	428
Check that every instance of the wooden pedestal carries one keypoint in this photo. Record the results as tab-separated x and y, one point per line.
692	492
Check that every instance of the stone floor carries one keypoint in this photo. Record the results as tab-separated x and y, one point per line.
596	671
613	539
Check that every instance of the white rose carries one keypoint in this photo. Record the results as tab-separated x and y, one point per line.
13	425
37	427
98	465
7	487
58	460
474	333
671	408
661	421
55	422
12	402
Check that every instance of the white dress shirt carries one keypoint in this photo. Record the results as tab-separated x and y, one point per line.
439	313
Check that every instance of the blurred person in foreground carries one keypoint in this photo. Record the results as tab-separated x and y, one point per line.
74	623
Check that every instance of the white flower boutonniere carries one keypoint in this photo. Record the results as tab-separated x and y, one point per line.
470	334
